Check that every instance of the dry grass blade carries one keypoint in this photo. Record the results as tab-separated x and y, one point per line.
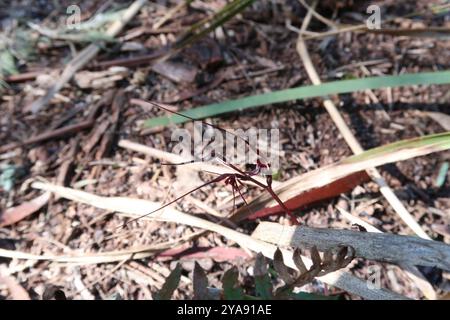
363	27
136	207
103	257
441	118
440	33
13	215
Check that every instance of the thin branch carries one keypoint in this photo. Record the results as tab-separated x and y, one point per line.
410	270
384	247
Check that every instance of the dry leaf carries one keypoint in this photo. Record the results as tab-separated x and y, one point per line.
16	291
15	214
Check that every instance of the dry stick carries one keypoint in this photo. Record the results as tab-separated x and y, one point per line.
137	207
379	246
49	135
84	57
169	14
410	270
61	132
354	144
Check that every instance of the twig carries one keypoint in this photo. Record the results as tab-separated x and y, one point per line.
353	142
58	133
384	247
61	132
138	207
410	270
170	13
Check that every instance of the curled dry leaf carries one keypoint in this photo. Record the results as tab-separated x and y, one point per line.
175	71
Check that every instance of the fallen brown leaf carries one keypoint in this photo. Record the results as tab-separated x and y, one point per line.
15	214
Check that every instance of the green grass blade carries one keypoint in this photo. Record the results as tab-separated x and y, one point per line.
304	92
207	25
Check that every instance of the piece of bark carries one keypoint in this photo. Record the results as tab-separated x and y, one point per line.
67	164
119	103
96	135
373	246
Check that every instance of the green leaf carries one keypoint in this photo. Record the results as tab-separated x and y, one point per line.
207	25
311	91
263	283
170	285
440	180
230	284
200	282
7	63
7	177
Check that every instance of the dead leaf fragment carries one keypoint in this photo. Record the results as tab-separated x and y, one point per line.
441	118
16	291
100	79
15	214
175	71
